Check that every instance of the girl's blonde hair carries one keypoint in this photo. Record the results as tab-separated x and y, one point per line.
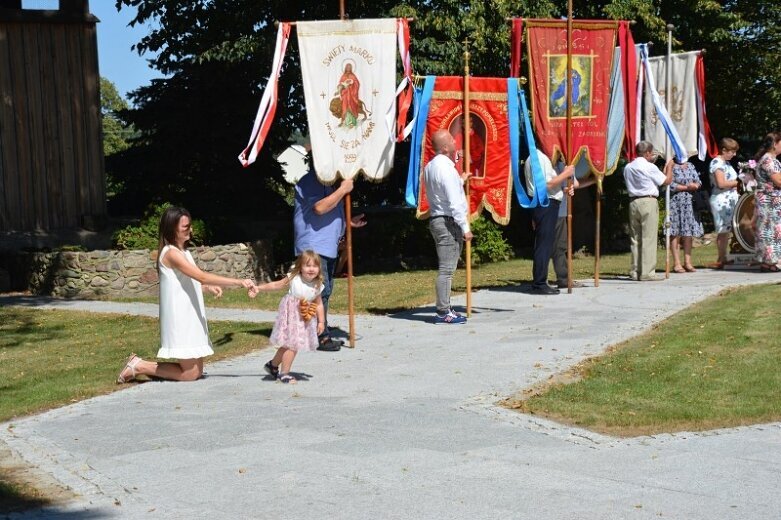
304	259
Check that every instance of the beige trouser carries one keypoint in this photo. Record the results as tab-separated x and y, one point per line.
643	236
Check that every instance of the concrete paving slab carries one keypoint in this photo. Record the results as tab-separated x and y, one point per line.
405	426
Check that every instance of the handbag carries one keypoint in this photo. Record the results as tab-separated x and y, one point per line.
700	201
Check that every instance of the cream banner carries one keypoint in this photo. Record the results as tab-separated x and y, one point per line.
349	76
681	103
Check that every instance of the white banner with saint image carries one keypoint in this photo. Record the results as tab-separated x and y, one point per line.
349	75
681	105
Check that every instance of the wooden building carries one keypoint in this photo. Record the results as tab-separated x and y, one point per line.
51	155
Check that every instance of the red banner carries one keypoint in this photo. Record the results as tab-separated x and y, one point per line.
489	141
592	62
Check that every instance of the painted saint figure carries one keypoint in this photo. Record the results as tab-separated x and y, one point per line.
347	106
562	88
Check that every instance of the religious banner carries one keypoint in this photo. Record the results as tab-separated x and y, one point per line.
489	141
349	75
593	43
680	101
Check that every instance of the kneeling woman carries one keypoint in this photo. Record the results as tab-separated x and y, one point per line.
184	334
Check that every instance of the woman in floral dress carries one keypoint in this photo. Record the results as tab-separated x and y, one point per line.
724	196
683	220
767	208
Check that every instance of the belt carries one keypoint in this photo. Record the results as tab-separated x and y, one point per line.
447	217
643	197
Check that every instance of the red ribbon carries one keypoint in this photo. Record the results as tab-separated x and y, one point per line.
713	148
629	74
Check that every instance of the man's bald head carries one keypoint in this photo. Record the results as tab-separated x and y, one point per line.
443	142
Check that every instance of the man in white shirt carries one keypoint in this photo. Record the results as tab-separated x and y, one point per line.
544	219
643	179
448	220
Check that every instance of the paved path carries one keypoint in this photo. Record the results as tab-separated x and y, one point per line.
404	427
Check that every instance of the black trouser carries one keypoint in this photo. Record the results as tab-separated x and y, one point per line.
544	238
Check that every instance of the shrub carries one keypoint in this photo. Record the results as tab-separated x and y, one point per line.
488	244
145	235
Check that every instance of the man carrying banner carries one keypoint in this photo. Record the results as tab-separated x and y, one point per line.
544	220
643	179
448	219
560	248
318	224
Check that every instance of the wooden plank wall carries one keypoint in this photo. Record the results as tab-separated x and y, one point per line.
51	153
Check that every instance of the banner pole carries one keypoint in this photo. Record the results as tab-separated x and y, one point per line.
349	242
466	168
598	232
568	145
667	149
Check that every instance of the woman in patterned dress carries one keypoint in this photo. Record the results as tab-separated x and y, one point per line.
767	207
684	222
724	196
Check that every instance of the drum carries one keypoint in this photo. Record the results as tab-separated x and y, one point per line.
743	222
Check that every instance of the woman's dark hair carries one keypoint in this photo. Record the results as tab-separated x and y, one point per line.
768	143
169	221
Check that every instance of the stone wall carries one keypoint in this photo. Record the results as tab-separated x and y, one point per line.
133	273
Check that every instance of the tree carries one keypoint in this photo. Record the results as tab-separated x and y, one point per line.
741	39
116	132
216	54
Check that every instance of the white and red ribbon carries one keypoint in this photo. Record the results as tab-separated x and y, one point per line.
405	90
268	103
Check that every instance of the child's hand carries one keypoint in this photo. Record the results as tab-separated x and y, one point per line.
320	327
253	291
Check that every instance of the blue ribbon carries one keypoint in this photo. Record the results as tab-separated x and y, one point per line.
516	111
672	133
422	101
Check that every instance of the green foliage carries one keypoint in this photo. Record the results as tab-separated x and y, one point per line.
488	244
116	132
146	235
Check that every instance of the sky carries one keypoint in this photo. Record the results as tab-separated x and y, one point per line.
117	63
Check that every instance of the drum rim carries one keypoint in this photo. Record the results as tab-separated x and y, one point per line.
736	220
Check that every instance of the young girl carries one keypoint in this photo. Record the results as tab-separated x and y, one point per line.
301	314
184	334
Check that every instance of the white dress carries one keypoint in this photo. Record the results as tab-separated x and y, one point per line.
184	333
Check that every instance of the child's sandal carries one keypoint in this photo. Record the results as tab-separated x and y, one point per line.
271	370
287	378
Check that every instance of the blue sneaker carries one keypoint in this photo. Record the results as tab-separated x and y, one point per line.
450	318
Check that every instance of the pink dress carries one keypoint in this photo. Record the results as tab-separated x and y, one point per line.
290	330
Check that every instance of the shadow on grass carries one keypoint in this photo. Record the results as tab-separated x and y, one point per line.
228	336
27	328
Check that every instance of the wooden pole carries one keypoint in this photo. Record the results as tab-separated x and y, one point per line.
598	233
348	214
668	149
466	168
568	145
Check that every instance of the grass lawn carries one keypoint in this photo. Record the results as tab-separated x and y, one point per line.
713	365
393	292
49	358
